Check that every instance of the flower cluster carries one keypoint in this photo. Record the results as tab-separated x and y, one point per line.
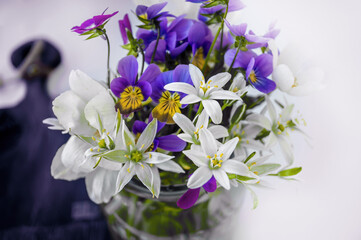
185	110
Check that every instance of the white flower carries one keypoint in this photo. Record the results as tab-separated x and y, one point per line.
278	127
294	76
205	92
214	161
238	85
139	160
191	132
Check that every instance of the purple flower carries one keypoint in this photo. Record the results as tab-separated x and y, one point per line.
170	143
233	5
168	101
191	196
258	70
152	12
92	23
200	36
242	59
124	25
228	40
130	90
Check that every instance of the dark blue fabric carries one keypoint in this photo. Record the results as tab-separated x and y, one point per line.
33	205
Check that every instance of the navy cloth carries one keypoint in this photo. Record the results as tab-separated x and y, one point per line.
33	205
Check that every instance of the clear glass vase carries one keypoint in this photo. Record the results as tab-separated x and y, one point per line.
134	214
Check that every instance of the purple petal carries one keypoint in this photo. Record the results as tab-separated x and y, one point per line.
153	10
242	58
160	125
100	19
141	9
197	33
150	74
238	30
264	85
211	185
235	5
181	74
123	26
147	36
171	39
138	126
146	88
160	52
118	85
128	68
189	198
250	67
196	1
227	40
158	85
155	144
263	65
181	27
256	39
178	50
171	143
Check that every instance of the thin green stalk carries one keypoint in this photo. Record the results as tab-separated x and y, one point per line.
108	58
234	59
215	39
156	46
200	108
143	59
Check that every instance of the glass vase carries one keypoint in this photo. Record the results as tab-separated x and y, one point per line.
134	214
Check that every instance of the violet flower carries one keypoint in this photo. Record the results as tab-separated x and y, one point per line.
233	5
124	25
258	70
92	23
200	36
169	101
152	12
188	199
130	90
170	143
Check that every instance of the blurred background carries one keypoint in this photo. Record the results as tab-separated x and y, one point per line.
323	204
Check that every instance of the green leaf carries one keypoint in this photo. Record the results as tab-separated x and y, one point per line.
265	168
264	133
249	157
238	114
93	36
212	4
239	177
290	172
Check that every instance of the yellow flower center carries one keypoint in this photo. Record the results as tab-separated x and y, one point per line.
169	104
252	77
215	161
130	100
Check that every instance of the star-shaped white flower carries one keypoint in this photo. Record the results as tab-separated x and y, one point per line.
215	161
206	92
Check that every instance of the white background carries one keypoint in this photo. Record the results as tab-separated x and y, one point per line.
326	202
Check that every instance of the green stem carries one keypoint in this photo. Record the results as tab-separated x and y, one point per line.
215	39
234	59
190	110
108	58
143	59
200	108
156	45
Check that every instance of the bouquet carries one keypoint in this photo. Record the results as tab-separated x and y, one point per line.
186	106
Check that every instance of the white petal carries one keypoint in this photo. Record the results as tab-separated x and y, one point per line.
84	86
213	110
228	148
283	77
286	149
54	124
181	87
274	50
208	142
197	157
110	165
203	120
73	154
100	112
286	113
219	80
222	178
196	75
235	167
185	137
170	166
101	185
69	109
259	120
125	175
199	177
238	82
156	181
224	95
12	93
271	109
190	99
218	131
145	175
184	123
59	171
156	157
147	136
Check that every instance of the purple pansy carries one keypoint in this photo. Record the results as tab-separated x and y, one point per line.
130	90
242	59
227	41
168	102
233	5
200	36
258	70
92	23
152	12
124	25
188	199
170	143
